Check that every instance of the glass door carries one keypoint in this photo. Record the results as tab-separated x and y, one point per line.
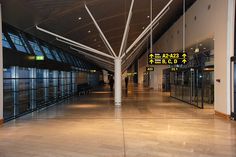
208	88
196	76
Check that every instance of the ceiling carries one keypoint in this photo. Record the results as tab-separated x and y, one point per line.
62	17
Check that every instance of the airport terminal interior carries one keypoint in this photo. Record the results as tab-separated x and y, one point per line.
117	78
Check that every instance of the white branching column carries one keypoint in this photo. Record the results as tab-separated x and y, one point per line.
118	90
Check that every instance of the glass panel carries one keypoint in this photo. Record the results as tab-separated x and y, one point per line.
208	89
74	86
47	52
8	94
62	56
52	86
35	48
186	86
77	62
73	60
69	58
56	55
19	44
5	42
200	88
172	84
61	84
23	103
40	92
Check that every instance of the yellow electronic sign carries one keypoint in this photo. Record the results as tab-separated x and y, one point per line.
174	69
149	68
167	58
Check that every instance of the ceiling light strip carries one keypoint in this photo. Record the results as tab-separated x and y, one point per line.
89	55
75	43
140	44
100	31
86	48
157	18
126	32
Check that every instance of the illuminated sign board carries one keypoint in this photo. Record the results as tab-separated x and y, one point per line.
132	74
149	68
167	58
39	58
174	69
93	71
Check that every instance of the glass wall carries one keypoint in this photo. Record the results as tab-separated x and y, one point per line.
28	89
5	43
18	42
8	94
22	85
194	86
30	84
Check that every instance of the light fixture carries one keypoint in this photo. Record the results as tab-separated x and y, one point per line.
196	50
148	16
80	18
204	48
200	44
143	28
191	48
89	31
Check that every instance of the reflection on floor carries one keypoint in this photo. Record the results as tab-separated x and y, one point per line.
149	124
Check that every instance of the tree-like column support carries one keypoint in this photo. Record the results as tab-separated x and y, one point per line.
118	89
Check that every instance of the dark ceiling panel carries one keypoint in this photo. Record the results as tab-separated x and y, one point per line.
61	16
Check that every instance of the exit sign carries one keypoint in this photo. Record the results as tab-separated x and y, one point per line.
149	68
39	58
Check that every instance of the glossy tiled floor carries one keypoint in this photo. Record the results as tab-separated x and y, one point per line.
149	124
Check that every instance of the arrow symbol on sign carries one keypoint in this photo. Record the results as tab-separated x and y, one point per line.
184	61
151	61
184	55
151	55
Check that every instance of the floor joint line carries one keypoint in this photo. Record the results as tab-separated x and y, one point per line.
123	137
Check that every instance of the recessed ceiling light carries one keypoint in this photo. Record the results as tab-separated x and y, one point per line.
143	28
191	48
148	16
200	44
204	48
80	18
89	31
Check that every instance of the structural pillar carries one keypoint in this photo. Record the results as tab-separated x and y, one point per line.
1	69
230	49
118	90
